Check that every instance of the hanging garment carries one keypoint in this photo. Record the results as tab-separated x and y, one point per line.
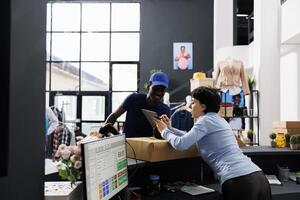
182	120
56	140
48	147
53	121
66	136
230	76
58	113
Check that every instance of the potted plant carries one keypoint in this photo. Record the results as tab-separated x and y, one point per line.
287	139
298	141
298	177
152	70
250	134
293	142
272	137
251	82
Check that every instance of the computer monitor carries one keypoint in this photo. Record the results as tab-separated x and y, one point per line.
104	167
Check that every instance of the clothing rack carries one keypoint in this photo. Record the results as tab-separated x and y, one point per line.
178	106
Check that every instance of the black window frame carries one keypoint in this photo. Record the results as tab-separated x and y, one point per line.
79	93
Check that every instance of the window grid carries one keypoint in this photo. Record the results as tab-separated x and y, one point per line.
80	93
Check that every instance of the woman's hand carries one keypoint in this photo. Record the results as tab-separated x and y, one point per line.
166	120
160	124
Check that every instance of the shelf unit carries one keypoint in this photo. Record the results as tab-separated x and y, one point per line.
253	120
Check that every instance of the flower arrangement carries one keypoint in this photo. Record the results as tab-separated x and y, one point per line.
69	162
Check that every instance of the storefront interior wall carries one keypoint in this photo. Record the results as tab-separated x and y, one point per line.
27	97
25	164
290	83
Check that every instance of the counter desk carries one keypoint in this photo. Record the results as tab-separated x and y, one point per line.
195	169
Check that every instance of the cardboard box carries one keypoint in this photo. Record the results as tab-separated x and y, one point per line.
153	150
286	124
285	130
210	82
226	111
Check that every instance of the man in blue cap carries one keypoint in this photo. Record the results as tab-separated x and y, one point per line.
136	124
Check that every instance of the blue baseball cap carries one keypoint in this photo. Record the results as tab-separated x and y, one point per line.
159	78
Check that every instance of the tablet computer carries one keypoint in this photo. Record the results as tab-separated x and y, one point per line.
150	115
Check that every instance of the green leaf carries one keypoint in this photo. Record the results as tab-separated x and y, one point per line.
63	174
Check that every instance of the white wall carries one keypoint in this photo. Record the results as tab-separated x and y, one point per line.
290	61
236	52
290	83
266	63
276	73
251	55
290	20
223	24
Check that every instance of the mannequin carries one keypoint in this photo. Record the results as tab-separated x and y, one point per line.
230	76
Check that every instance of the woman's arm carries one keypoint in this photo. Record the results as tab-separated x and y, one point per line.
178	132
184	141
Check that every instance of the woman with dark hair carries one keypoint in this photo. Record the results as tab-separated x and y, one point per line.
218	147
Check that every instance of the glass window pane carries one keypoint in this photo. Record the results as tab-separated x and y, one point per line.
95	47
93	108
95	16
65	76
125	17
65	46
71	126
47	99
65	16
47	75
67	104
48	16
95	76
86	128
125	46
124	77
117	100
48	35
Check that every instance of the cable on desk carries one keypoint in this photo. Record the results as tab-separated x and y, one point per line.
136	162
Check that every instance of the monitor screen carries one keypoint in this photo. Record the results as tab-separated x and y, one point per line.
104	167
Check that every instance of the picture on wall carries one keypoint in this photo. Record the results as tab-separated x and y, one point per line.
182	55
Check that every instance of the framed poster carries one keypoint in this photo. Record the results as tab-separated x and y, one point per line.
182	55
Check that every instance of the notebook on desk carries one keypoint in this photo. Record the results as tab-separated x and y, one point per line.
196	189
273	180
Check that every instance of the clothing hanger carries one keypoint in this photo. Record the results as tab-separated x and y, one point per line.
60	105
178	106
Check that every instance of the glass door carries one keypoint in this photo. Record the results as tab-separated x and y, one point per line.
86	111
